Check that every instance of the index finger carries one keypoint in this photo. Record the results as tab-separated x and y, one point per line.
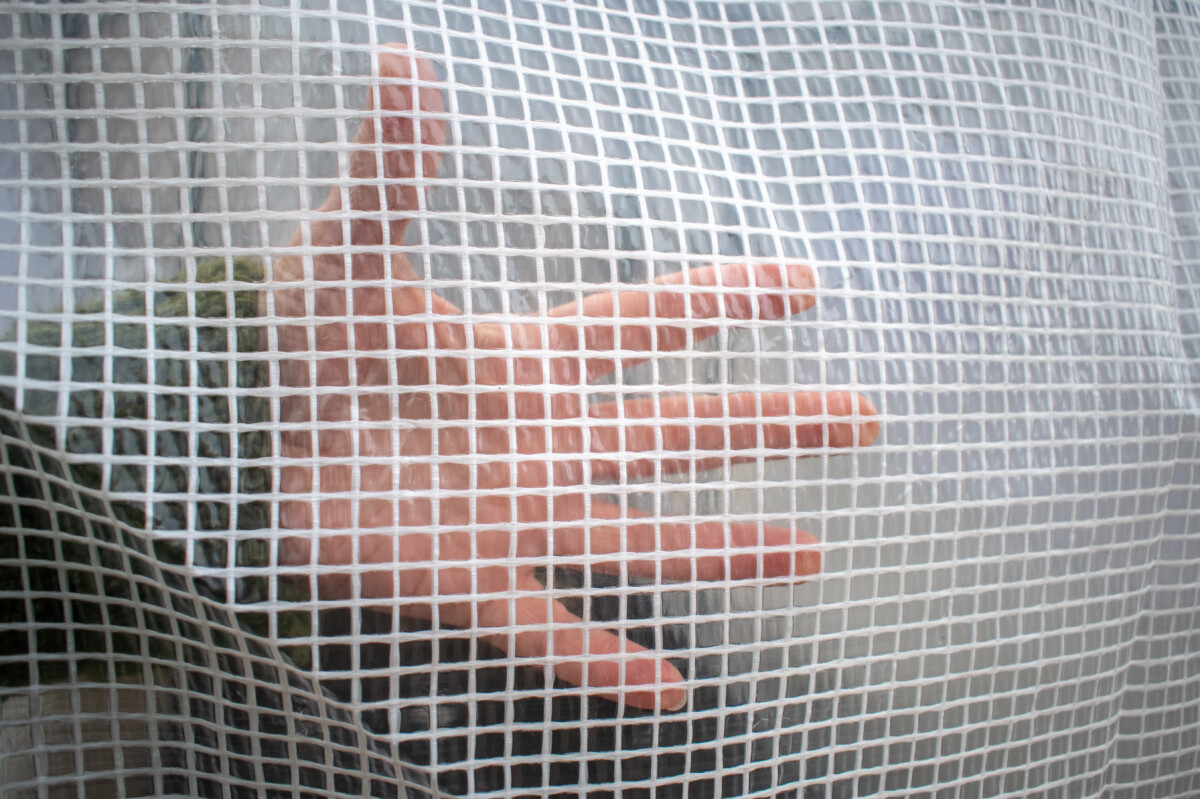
649	319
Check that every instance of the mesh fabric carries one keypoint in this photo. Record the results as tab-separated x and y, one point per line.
1000	206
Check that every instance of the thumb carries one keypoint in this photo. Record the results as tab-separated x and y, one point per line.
404	120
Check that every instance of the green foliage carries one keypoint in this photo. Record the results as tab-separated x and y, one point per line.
182	303
149	337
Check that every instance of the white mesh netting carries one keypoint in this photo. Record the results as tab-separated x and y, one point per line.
620	398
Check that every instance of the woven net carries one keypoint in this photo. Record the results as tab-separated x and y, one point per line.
627	398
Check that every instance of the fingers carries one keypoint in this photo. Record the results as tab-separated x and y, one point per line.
758	432
533	441
648	320
504	602
708	551
584	655
638	438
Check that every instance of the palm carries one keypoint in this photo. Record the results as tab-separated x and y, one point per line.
441	456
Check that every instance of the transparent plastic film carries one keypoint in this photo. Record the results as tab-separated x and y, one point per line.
599	399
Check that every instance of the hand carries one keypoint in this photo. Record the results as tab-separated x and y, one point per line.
437	465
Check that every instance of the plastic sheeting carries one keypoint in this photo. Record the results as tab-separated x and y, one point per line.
247	438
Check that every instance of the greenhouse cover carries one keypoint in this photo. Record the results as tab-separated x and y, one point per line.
622	398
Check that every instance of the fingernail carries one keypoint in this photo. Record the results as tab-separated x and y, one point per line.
680	705
807	563
802	275
393	62
803	283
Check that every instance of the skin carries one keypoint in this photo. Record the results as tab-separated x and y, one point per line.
378	410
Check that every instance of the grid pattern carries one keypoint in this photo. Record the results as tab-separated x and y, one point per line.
342	386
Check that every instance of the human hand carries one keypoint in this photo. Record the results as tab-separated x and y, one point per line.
439	458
